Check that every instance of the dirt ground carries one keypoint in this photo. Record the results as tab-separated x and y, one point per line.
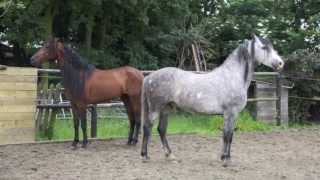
287	154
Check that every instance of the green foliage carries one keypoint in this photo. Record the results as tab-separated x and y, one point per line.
302	65
149	34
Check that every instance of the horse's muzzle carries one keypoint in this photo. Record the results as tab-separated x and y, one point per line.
34	62
278	66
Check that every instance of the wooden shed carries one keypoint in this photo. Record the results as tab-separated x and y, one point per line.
18	91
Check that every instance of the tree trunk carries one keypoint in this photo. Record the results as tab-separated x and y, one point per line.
48	20
102	33
89	28
299	14
195	57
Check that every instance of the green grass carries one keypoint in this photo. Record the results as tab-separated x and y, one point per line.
178	123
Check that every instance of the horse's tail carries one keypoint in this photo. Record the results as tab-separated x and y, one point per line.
144	104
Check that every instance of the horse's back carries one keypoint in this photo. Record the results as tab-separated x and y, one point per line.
187	90
107	84
134	73
134	80
159	86
130	79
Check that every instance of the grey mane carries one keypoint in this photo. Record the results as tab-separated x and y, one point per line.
266	42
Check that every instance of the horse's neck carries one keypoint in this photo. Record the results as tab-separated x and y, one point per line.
69	61
73	77
238	68
250	63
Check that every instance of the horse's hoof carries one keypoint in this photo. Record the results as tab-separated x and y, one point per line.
74	145
132	142
226	162
172	158
129	143
145	159
84	144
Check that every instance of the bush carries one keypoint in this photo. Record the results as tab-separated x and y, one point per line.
303	66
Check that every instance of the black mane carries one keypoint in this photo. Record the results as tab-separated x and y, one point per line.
75	71
244	56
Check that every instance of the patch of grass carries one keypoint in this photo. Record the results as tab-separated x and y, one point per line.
202	124
247	123
178	123
113	128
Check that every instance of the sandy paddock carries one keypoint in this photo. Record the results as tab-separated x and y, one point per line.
286	154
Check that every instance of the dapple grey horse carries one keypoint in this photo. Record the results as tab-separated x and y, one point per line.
221	91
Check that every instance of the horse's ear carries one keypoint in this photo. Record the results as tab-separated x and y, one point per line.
253	36
50	37
60	40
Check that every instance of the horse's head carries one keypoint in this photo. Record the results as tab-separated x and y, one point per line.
50	51
265	53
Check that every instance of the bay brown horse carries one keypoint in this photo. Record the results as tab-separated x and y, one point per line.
84	84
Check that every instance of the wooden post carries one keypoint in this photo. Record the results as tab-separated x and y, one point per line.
49	118
39	112
278	94
94	121
53	113
59	99
45	112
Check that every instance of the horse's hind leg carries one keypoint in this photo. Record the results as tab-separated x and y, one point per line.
162	129
128	107
137	121
136	111
147	128
229	121
149	118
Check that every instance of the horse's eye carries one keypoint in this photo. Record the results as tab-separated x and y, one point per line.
264	47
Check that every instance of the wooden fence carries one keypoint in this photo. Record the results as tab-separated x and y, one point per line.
23	110
18	91
53	105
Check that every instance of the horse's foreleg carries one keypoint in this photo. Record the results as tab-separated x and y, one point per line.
162	129
83	117
76	126
229	121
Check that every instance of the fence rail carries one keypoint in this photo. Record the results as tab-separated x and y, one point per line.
146	72
68	105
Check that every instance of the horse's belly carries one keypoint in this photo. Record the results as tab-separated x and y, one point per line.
198	107
102	94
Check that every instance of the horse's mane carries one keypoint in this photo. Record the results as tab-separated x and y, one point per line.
75	71
245	57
